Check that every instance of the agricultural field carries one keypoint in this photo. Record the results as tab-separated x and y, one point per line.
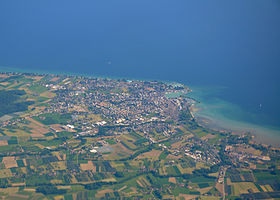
71	137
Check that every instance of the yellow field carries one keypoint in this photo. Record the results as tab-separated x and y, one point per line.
94	118
118	166
172	180
187	170
18	184
136	163
48	94
200	165
266	188
187	196
63	187
9	190
58	155
208	198
88	166
16	132
57	127
59	165
59	197
29	189
177	144
140	184
126	137
37	78
214	174
4	173
243	187
40	146
168	197
109	180
127	140
37	135
153	155
73	179
102	193
9	162
249	150
173	157
162	171
143	181
204	190
56	181
23	169
38	129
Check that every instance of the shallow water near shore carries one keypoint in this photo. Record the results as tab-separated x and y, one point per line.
217	113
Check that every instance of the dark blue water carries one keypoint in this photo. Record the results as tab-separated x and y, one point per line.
234	44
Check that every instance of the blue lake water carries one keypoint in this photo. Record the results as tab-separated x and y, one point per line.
228	52
216	111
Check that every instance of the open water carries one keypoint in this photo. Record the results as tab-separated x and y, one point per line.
227	51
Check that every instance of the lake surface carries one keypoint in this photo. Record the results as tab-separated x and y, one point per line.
216	112
228	52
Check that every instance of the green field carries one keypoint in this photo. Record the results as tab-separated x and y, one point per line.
53	118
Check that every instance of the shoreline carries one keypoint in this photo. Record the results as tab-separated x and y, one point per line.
258	133
4	69
203	120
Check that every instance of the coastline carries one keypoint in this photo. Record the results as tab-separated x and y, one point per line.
209	121
76	74
261	135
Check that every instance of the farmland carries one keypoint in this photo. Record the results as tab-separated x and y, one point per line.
88	138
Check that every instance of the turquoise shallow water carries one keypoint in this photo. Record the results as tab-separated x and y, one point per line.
215	112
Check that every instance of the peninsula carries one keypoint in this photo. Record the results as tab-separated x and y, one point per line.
75	137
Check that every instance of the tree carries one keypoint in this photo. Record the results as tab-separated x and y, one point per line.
185	115
157	194
3	183
49	189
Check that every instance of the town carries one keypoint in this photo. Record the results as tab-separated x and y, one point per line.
75	137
